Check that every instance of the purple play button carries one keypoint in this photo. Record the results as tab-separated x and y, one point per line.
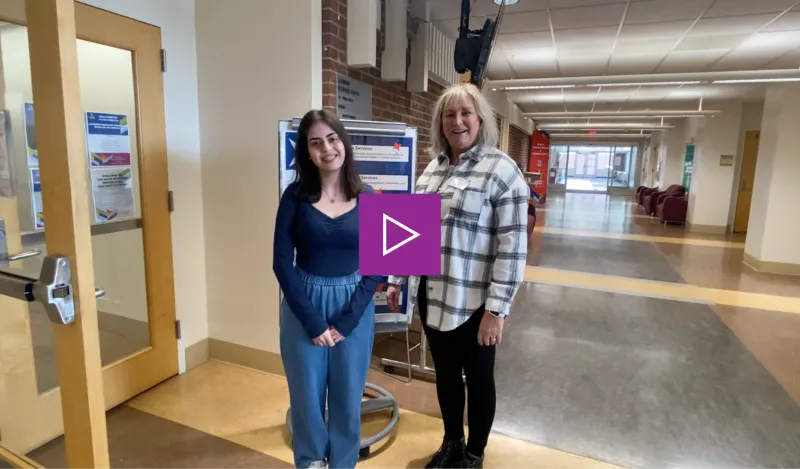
400	234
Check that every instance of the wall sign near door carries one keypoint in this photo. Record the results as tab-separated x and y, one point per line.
688	162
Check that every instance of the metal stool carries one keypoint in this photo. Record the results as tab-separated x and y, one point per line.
383	402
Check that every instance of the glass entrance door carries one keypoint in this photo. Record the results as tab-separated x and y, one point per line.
588	168
593	168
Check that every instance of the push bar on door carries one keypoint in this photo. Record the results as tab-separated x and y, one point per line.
53	289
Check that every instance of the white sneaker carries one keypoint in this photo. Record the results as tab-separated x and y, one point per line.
318	465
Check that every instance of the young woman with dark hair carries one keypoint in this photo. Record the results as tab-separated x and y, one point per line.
327	313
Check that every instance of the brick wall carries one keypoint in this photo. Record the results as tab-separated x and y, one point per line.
391	101
519	146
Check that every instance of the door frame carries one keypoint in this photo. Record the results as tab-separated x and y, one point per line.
85	389
741	218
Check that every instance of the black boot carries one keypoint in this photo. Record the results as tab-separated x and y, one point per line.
470	462
449	454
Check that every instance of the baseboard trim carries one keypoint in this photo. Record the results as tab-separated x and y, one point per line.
709	229
262	360
196	354
769	267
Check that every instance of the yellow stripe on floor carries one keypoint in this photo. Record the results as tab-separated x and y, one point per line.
665	290
249	408
638	237
610	215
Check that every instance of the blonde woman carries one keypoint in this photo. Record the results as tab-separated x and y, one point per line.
484	247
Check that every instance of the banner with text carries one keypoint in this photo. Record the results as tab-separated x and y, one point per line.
539	163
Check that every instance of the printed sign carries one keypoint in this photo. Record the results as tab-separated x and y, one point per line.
107	139
353	99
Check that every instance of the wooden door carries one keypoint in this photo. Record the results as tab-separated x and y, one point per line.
83	174
746	181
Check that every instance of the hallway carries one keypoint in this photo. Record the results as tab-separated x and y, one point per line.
631	345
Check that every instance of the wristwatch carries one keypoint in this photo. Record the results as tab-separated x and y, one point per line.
497	315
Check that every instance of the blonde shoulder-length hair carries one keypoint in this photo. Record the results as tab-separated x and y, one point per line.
488	134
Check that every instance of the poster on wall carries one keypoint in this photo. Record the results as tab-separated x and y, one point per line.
31	149
386	162
36	199
107	139
688	162
539	162
112	193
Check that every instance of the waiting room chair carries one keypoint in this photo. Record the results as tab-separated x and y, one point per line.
672	209
651	199
641	193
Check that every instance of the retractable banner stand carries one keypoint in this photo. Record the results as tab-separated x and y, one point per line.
538	165
386	158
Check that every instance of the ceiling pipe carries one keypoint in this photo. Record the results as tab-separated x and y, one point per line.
607	126
617	114
739	76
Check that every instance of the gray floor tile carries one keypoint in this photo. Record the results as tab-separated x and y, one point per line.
634	259
639	382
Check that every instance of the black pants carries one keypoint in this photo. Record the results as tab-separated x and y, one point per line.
453	352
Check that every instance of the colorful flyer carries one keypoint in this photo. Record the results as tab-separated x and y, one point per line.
107	139
30	135
112	193
36	199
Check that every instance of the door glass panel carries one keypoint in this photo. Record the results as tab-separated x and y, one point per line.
558	161
112	170
621	169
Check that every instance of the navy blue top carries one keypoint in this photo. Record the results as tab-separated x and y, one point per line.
326	247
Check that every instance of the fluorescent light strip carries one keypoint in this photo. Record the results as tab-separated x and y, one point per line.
758	80
539	87
655	83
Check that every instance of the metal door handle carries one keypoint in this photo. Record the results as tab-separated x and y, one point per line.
20	256
53	289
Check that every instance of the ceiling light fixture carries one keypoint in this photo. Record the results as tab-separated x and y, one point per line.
656	83
757	80
660	79
596	136
540	87
609	126
507	2
620	114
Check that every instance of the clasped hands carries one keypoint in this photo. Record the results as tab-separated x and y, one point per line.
329	338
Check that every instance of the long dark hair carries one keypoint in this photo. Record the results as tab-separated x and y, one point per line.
308	181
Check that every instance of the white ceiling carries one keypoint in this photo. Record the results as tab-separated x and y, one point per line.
562	38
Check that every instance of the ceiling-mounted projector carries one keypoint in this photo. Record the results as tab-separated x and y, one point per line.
474	48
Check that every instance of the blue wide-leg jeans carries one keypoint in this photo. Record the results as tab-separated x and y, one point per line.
313	371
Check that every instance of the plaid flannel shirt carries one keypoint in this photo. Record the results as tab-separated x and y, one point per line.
484	238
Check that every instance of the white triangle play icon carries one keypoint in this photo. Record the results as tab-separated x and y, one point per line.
414	234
